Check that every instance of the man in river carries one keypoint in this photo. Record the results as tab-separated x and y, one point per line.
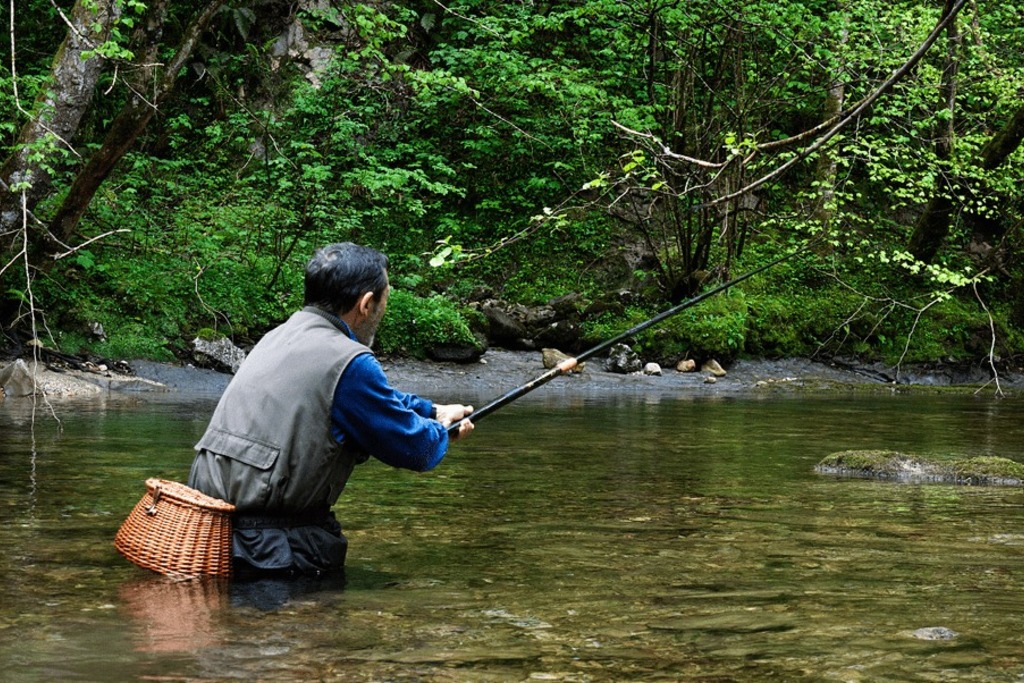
308	404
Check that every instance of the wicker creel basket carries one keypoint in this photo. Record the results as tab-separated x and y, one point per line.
178	531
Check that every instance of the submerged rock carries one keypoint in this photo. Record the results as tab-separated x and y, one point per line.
882	464
935	633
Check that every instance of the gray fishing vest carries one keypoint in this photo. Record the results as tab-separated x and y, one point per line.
268	448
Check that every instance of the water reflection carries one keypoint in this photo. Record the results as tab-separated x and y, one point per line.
169	615
173	616
581	539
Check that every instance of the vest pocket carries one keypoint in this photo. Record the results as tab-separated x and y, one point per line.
258	454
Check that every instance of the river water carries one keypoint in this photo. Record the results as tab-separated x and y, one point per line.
570	539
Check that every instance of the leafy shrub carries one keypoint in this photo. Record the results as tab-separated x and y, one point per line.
838	321
129	342
789	324
955	328
413	324
714	328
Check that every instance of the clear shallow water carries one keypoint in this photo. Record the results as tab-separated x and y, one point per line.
569	540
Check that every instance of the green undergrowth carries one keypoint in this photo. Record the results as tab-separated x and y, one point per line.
827	321
413	324
152	298
731	325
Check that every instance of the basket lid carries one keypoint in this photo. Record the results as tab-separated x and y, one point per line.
186	494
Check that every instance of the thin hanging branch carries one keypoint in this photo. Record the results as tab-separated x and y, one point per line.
853	114
991	348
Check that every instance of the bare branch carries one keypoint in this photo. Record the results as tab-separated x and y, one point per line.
910	334
72	250
668	152
831	127
992	346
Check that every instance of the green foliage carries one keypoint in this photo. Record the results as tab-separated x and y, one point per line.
132	340
466	145
413	324
202	263
956	328
789	323
715	328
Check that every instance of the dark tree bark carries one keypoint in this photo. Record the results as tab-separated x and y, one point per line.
987	226
151	83
58	111
933	226
1004	143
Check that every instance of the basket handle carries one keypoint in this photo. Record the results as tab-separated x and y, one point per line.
151	510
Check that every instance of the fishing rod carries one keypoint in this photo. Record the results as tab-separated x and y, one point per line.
570	364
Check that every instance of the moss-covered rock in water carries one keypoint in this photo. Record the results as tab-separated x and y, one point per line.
881	464
873	462
988	469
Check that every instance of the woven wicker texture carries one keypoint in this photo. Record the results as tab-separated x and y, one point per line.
178	531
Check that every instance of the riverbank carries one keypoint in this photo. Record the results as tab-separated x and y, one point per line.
499	371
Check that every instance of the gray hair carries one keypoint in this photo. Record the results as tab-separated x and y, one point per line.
339	274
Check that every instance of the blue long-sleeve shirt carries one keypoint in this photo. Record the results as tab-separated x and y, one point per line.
391	425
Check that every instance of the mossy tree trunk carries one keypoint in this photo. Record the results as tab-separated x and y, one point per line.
46	137
934	225
825	172
989	225
150	81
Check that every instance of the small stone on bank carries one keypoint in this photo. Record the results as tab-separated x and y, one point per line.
711	365
686	365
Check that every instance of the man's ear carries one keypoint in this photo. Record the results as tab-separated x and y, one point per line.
365	304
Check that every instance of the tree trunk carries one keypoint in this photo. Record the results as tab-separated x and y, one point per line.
1004	143
933	225
825	173
46	137
150	83
987	227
